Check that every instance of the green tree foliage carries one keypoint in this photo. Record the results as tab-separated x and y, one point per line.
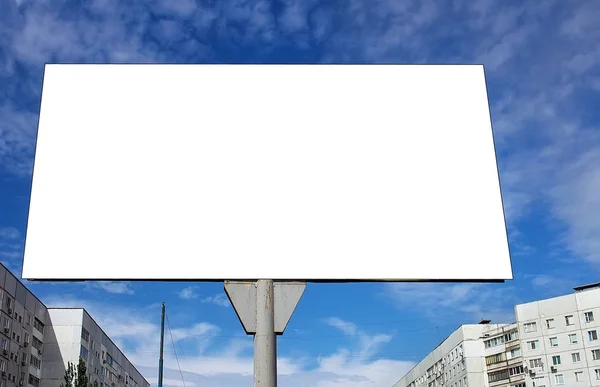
76	376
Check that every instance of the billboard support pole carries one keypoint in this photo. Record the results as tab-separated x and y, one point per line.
264	308
265	343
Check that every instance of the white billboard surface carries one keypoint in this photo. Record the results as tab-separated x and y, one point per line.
298	172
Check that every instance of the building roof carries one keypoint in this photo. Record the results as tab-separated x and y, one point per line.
586	287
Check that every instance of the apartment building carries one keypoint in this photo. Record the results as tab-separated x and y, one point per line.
36	342
76	335
503	360
23	326
560	339
457	362
554	342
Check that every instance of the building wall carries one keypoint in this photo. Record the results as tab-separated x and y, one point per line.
78	335
557	321
22	328
37	342
503	362
456	362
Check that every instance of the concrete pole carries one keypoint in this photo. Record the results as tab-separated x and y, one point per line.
162	340
265	351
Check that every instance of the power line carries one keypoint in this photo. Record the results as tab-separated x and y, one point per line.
174	349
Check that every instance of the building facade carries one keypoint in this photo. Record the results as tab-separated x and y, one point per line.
23	325
457	362
503	359
76	335
560	339
554	342
36	342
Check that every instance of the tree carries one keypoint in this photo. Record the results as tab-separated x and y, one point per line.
82	379
76	376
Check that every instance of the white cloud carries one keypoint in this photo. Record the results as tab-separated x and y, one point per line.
111	287
9	233
218	299
464	302
189	293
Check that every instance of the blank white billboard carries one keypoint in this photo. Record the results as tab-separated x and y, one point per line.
298	172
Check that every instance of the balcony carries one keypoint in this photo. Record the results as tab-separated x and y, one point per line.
496	366
512	344
517	378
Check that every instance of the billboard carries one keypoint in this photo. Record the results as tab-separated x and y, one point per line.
296	172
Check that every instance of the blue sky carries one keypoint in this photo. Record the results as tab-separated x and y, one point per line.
542	64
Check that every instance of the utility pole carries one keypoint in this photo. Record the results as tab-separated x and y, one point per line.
162	339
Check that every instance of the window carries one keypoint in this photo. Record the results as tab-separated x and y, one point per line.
535	344
597	374
596	354
28	321
573	338
515	370
83	353
35	382
514	353
510	336
593	335
535	363
579	376
493	359
495	341
556	360
560	379
85	335
530	327
35	343
575	356
589	317
550	323
498	375
2	365
569	320
39	326
554	341
34	361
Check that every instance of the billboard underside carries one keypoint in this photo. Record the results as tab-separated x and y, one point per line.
308	172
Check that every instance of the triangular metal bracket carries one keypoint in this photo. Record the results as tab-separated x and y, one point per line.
242	295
